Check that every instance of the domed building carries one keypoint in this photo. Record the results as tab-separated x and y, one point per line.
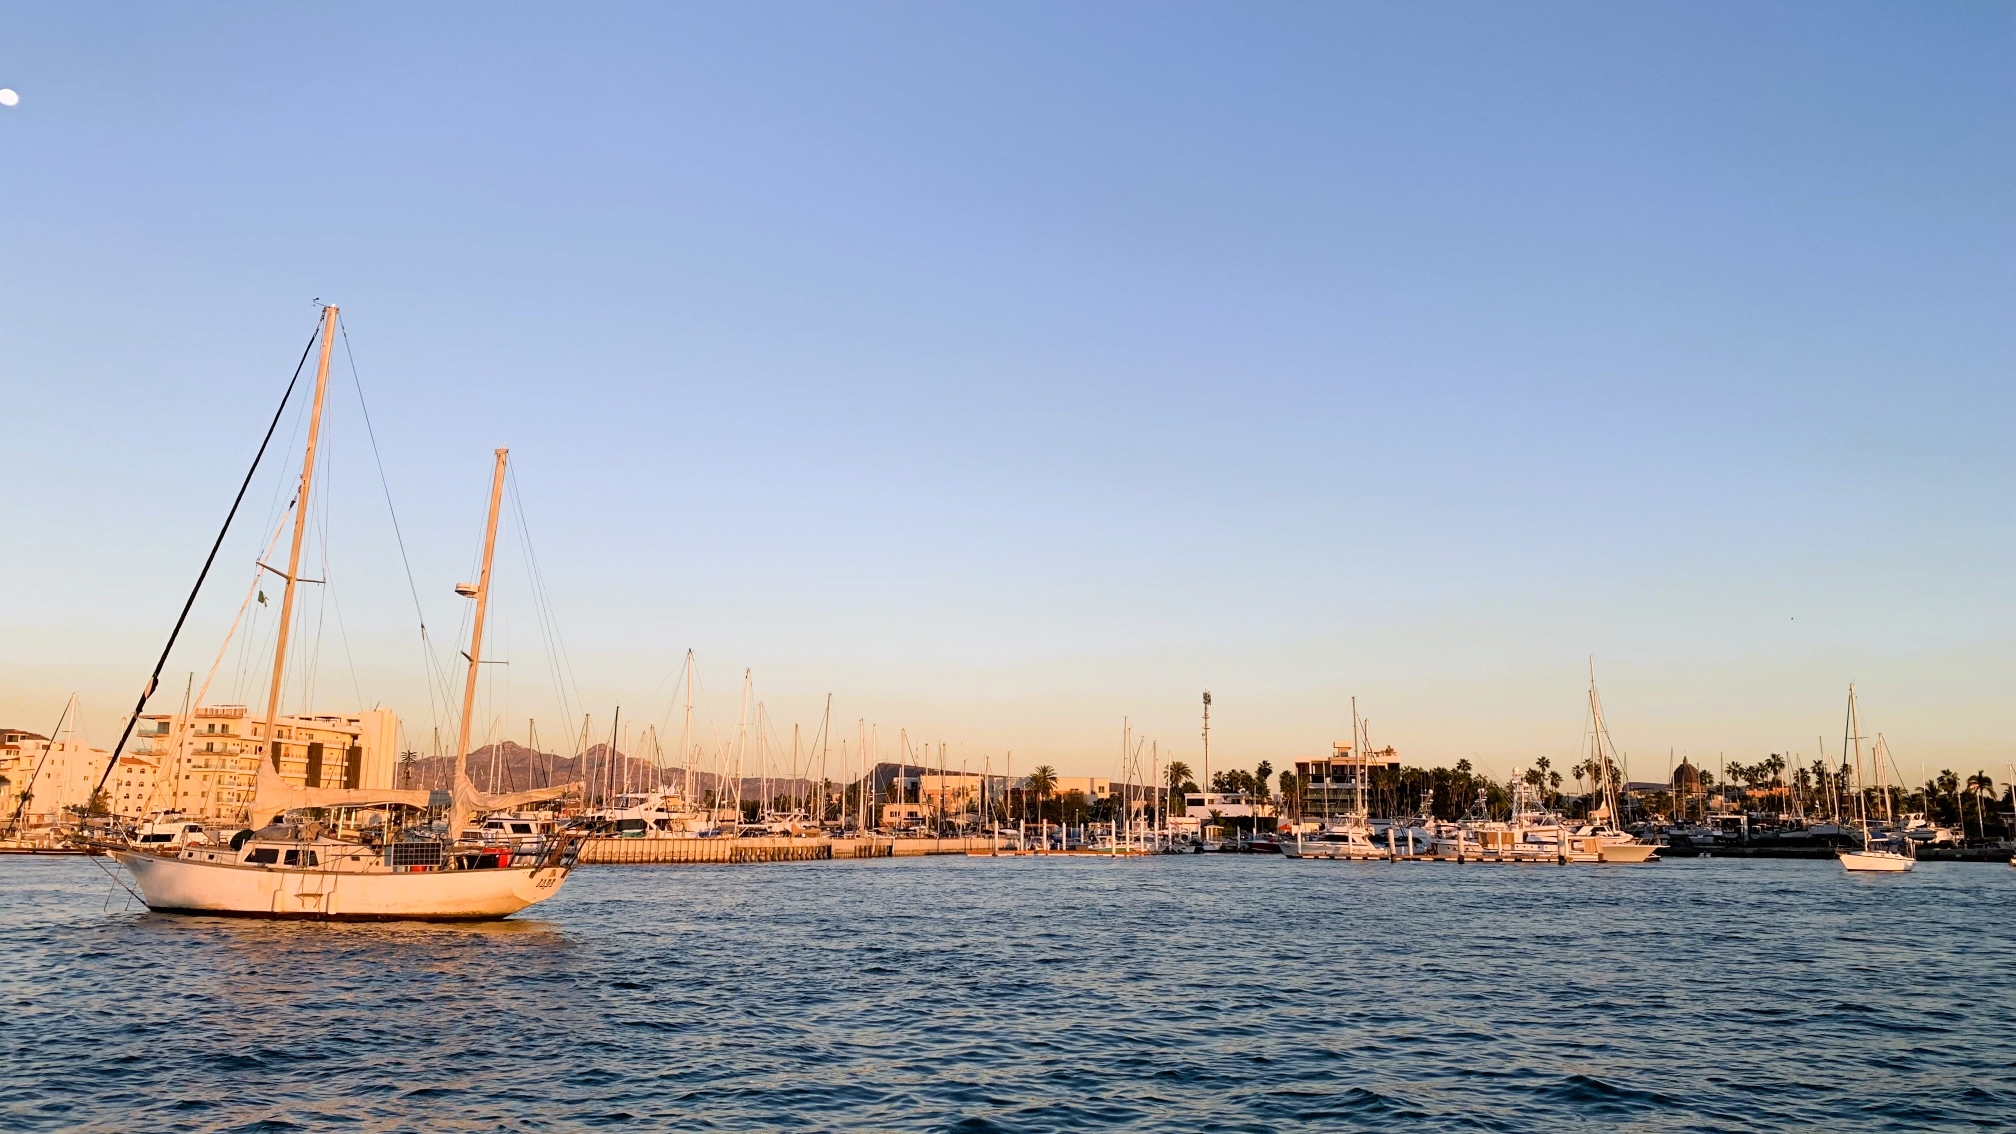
1687	779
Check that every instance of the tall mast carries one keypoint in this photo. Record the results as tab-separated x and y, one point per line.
1358	744
458	811
686	738
272	760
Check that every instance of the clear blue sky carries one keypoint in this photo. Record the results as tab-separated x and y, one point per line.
1008	369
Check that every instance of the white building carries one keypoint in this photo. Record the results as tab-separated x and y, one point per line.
54	775
1202	808
211	759
129	791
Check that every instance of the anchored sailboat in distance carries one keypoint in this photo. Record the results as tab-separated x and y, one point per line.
1873	858
302	869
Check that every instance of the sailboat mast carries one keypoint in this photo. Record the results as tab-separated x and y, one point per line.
1358	744
686	738
294	550
462	789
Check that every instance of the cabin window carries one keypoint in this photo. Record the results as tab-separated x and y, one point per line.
264	856
521	828
301	858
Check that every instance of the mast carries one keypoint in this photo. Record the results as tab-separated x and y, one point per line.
463	797
1358	743
686	738
269	768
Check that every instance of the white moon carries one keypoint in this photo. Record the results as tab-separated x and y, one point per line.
8	97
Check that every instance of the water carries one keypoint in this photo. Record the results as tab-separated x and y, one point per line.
1209	993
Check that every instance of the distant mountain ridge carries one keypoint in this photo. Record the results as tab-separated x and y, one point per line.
511	766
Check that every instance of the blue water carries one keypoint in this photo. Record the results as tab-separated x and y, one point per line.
1177	994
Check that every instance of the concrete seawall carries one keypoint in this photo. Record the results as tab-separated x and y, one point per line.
652	852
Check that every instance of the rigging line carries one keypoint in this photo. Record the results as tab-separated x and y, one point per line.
223	647
540	613
384	483
343	631
549	622
153	679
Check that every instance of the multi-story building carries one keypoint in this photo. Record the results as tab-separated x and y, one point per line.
1330	786
57	777
129	790
211	758
1093	788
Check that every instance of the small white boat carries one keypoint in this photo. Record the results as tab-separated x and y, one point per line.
168	831
1349	843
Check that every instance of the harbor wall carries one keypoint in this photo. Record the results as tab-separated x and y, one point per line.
654	852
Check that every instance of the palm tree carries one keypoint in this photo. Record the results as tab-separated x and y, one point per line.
1775	767
407	759
1949	784
1041	780
1178	774
1979	785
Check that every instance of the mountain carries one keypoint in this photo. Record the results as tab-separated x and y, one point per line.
511	766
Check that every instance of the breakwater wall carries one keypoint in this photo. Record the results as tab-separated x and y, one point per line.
657	852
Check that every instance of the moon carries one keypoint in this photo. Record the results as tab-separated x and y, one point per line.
8	97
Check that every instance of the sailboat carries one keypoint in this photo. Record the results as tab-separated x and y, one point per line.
303	869
1869	859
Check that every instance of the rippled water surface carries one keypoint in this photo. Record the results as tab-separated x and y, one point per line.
1174	994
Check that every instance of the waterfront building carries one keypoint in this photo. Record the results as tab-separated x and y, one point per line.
56	777
1330	784
950	793
129	790
1093	788
1204	808
211	758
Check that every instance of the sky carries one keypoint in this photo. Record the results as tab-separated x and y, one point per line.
1013	373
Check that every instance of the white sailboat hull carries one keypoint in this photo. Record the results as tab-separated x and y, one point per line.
1887	862
173	885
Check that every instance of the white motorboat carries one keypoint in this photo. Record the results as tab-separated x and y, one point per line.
653	815
1345	843
168	831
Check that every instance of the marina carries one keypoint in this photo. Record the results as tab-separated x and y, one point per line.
1008	569
1168	993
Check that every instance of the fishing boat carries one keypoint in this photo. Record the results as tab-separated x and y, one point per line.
295	867
1876	856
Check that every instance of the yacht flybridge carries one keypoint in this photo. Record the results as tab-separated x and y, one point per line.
296	867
